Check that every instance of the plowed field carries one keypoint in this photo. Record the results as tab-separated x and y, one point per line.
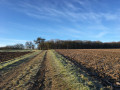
4	56
46	70
102	63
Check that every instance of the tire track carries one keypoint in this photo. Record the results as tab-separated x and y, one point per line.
40	76
22	77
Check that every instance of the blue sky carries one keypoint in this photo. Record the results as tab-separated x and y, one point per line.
25	20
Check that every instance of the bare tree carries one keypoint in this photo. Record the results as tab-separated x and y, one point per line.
29	45
40	42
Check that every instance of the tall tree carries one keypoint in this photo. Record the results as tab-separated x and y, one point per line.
40	42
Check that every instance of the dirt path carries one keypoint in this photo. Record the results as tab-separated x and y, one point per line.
58	73
53	78
40	76
22	77
48	71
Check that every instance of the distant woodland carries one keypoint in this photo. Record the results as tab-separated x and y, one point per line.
42	44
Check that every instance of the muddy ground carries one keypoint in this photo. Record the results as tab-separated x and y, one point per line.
4	56
47	71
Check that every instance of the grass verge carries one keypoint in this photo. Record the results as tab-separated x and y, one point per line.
73	76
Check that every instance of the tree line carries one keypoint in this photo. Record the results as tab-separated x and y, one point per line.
13	47
28	45
42	44
78	44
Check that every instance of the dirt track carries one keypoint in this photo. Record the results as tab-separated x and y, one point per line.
22	76
47	71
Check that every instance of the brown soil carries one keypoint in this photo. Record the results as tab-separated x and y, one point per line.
40	76
104	63
37	74
21	77
4	56
53	79
47	77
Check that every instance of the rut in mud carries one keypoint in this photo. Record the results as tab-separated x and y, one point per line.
49	71
40	76
58	73
22	77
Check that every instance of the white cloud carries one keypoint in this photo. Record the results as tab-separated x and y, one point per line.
101	34
83	12
67	10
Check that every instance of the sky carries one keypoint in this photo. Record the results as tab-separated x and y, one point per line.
25	20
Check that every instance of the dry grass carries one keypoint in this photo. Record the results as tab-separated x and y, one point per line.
106	62
23	77
73	76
